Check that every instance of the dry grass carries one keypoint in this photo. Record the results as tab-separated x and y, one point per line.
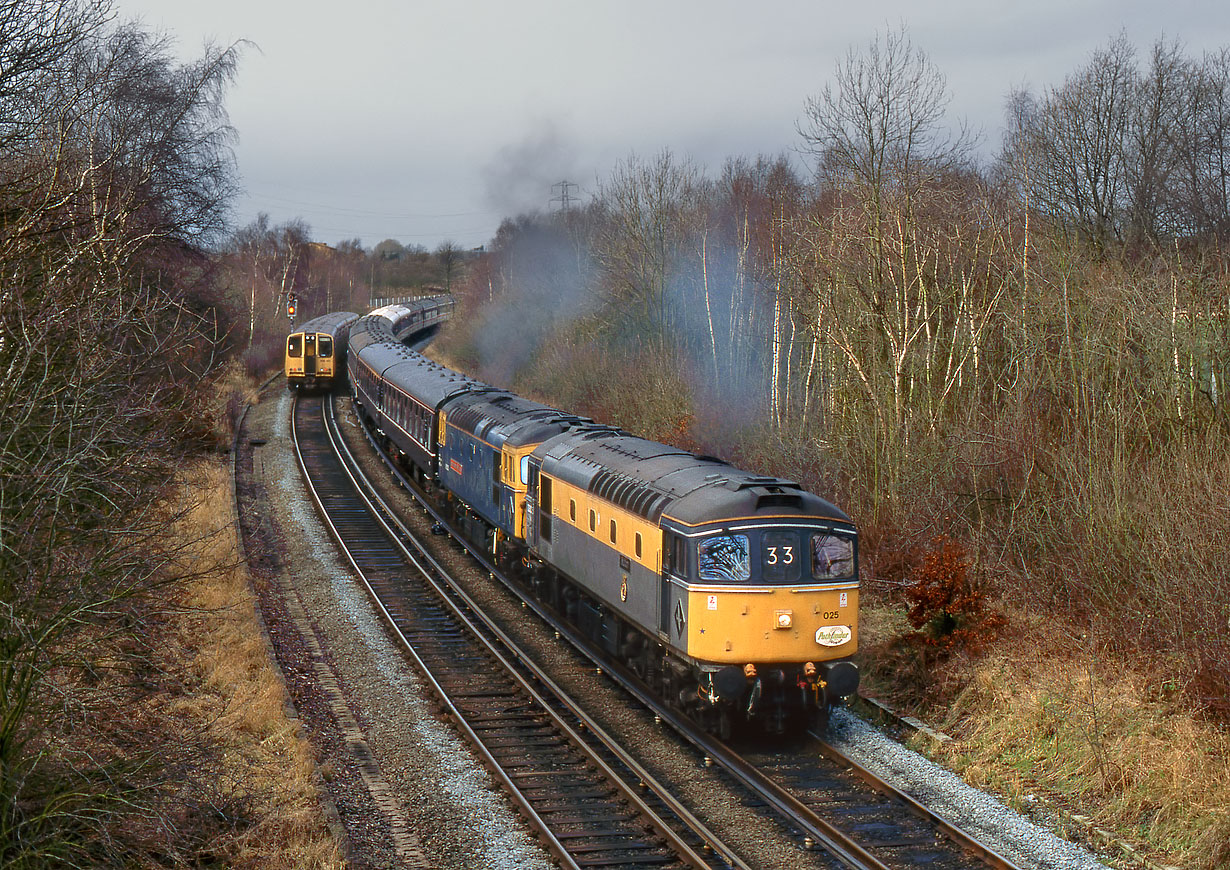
1108	740
234	390
236	698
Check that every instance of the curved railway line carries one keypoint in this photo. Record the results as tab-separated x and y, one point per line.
588	799
589	802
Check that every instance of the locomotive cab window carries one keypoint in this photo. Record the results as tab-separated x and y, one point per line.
832	557
294	346
724	559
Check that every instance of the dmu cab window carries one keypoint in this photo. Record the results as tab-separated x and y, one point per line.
832	557
724	559
324	346
294	346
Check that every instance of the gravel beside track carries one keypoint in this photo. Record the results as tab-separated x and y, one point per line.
407	790
996	825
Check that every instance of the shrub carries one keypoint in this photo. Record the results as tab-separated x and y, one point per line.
947	603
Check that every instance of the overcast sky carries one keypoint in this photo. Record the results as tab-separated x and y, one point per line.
431	121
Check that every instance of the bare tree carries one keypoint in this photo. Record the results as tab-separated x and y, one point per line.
449	256
114	162
646	232
878	127
1200	139
886	160
36	36
1150	148
1074	146
268	263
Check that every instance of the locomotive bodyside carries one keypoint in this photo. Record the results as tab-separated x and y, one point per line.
739	592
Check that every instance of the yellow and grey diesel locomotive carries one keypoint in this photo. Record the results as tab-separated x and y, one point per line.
316	354
733	596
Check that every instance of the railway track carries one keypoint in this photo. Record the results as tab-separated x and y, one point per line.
824	800
588	800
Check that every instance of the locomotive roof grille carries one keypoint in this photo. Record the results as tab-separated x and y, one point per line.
469	417
630	494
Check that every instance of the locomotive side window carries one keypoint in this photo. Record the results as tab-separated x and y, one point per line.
780	556
724	559
572	510
639	546
593	521
294	346
680	561
544	508
613	535
832	557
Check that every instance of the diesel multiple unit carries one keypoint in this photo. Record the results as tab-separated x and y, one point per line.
316	354
733	595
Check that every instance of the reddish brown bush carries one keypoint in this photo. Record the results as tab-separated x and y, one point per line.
947	604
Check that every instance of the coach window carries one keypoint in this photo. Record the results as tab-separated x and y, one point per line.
294	346
613	536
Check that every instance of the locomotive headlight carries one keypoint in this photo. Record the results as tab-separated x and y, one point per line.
784	618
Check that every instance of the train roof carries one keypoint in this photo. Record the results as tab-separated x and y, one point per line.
657	481
500	417
328	323
426	380
392	323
